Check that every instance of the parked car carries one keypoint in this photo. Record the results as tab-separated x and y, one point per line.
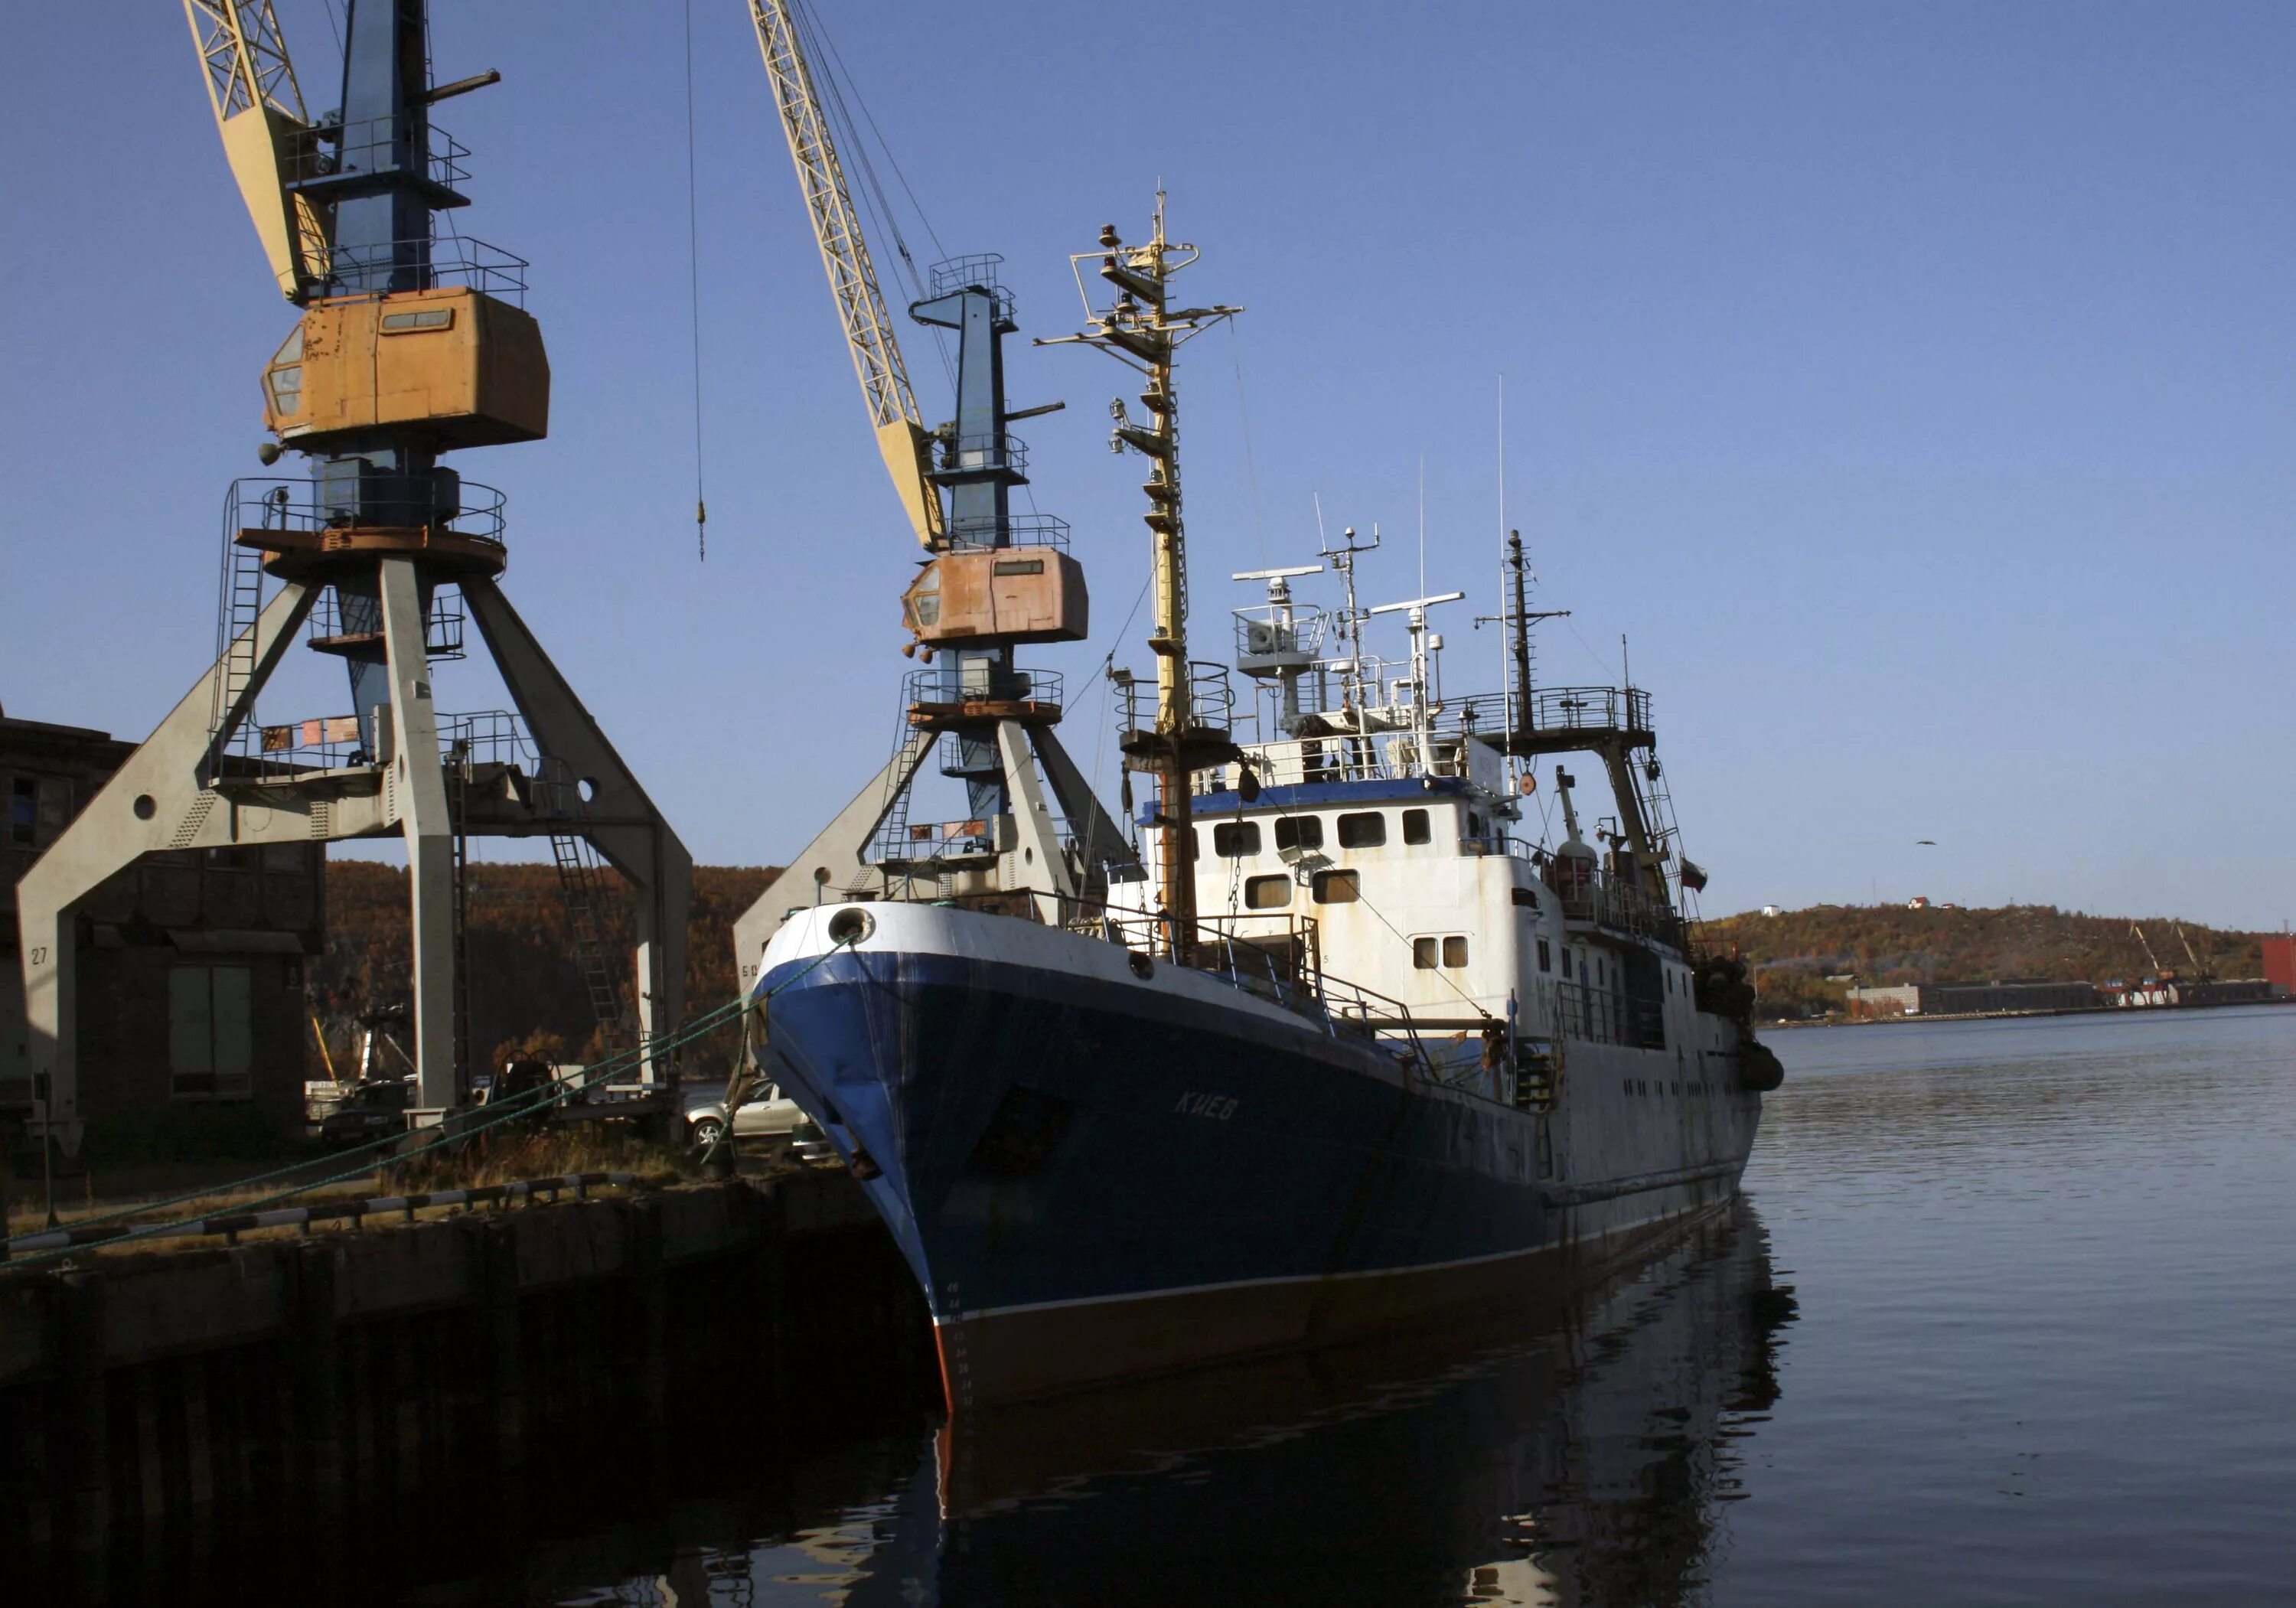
812	1147
771	1115
371	1111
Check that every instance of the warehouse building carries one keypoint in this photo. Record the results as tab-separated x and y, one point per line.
191	964
1973	998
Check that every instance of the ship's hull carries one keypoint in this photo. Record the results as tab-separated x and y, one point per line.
1096	1174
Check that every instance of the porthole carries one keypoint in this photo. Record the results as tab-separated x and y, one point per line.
1267	892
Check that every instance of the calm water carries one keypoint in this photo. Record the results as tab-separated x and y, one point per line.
2010	1319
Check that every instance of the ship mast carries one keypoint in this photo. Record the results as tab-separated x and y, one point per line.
1143	330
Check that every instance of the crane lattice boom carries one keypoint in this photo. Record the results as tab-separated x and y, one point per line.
901	435
266	133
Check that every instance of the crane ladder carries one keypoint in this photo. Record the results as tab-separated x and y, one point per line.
579	883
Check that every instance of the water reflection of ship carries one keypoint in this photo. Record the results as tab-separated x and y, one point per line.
1584	1461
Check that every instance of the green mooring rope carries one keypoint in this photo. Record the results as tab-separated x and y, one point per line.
511	1109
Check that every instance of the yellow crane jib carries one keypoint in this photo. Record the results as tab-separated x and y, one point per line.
267	137
902	439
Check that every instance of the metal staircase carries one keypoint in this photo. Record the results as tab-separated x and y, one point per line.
1536	1075
238	605
458	809
579	881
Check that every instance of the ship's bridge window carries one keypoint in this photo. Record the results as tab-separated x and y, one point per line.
1337	888
1232	839
1414	827
1267	892
1299	832
1365	828
1455	952
1526	898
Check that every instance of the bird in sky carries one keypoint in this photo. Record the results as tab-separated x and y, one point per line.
1924	843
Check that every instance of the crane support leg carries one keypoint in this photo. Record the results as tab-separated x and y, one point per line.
417	790
622	822
1043	867
153	802
1095	830
831	861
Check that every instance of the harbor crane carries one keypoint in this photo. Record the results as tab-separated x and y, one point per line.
2158	970
993	581
2199	967
410	343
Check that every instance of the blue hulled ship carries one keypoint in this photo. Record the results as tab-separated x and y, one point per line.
1335	1030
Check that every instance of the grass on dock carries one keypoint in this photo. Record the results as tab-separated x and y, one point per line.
497	1157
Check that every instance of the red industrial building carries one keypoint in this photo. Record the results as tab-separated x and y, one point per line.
2280	960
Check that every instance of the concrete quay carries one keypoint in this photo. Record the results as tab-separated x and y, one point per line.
144	1391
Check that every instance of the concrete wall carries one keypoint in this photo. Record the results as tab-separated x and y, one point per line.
141	1391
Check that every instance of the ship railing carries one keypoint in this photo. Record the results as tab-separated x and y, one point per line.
1382	754
1212	699
1610	1016
1606	901
977	272
1500	843
1265	636
1595	711
1274	957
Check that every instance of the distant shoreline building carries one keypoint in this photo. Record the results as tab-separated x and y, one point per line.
1973	998
2015	994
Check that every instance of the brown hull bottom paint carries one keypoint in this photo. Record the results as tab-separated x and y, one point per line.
1025	1353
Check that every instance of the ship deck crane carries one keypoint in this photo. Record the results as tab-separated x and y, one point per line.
975	598
410	344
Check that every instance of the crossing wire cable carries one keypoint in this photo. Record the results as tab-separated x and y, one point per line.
1251	469
515	1107
694	295
833	82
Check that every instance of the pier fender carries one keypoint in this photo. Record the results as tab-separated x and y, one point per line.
1759	1069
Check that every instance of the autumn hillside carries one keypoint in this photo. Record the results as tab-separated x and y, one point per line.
524	983
1794	953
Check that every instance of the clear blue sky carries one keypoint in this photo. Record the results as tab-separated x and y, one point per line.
1912	381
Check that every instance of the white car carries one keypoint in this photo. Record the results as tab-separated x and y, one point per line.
770	1115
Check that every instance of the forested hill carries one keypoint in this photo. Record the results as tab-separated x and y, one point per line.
1794	953
525	989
